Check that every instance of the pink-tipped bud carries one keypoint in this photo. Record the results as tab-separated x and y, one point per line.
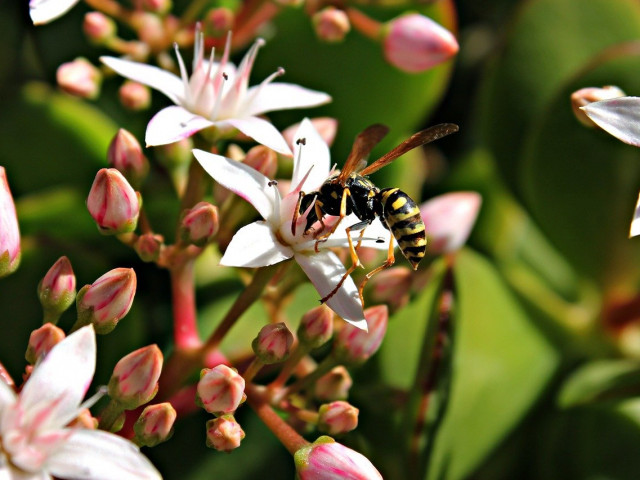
326	127
57	290
199	224
273	343
415	43
262	159
325	459
218	21
220	390
134	96
316	327
155	424
331	24
79	78
134	380
150	28
148	246
159	7
105	302
113	203
449	219
333	385
42	340
224	433
585	96
98	27
9	231
336	418
354	345
125	155
392	286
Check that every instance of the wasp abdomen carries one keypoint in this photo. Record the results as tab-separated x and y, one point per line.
402	216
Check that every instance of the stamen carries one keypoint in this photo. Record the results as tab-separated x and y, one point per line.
93	399
301	141
272	183
183	72
218	100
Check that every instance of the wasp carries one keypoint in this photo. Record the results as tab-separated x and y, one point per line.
351	191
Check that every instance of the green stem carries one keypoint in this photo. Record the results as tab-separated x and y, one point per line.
110	415
323	367
289	366
252	370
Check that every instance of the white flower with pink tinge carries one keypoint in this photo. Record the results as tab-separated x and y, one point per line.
217	95
269	241
37	443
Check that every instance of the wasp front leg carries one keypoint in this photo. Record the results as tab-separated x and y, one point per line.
346	193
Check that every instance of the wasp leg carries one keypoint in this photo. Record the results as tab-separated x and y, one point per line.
343	213
391	259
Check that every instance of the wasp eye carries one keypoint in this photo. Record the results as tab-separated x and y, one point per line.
301	141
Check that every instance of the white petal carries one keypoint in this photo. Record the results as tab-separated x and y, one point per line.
9	472
62	378
172	124
262	132
618	116
635	223
162	80
312	152
375	236
241	179
255	245
282	96
325	270
98	455
7	396
43	11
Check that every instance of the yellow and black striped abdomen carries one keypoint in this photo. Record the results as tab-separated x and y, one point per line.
402	216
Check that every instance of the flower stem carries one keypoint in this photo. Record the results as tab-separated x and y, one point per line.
185	326
364	24
247	29
323	367
110	8
289	366
252	370
110	415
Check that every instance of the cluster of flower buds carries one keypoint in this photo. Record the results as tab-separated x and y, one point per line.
9	231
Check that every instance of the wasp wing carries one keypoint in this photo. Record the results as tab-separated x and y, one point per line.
364	143
425	136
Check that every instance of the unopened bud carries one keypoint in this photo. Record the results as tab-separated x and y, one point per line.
98	27
224	433
84	420
392	286
326	459
220	389
316	326
449	219
334	385
262	159
415	43
57	290
326	127
160	7
331	24
125	155
585	96
134	96
199	224
149	27
134	381
9	231
148	246
113	203
273	343
155	424
336	418
218	21
79	78
105	302
42	340
354	345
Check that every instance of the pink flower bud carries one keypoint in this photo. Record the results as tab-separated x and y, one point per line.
125	155
57	290
105	302
112	203
9	231
220	389
224	433
134	96
336	418
449	219
325	459
262	159
326	127
218	21
98	27
334	385
331	24
157	6
42	340
392	286
134	380
316	326
84	420
79	78
585	96
415	43
155	424
199	224
148	246
150	28
273	343
354	345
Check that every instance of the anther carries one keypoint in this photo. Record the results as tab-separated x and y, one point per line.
272	183
301	141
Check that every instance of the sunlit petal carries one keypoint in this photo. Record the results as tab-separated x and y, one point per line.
618	116
262	132
43	11
255	245
634	230
311	155
172	124
282	96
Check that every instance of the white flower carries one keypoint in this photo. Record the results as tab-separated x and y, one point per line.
217	94
36	442
271	241
43	11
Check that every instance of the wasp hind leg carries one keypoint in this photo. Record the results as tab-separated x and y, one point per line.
391	259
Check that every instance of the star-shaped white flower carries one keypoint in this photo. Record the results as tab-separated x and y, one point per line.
43	11
217	94
36	442
271	240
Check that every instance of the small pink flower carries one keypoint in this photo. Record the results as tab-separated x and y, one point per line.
9	231
155	424
325	459
134	380
334	385
113	203
273	343
221	389
338	417
199	224
79	78
42	340
224	433
331	24
316	326
353	345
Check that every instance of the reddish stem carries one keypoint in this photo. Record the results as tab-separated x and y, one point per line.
185	326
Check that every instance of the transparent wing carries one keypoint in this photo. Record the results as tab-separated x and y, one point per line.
364	143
